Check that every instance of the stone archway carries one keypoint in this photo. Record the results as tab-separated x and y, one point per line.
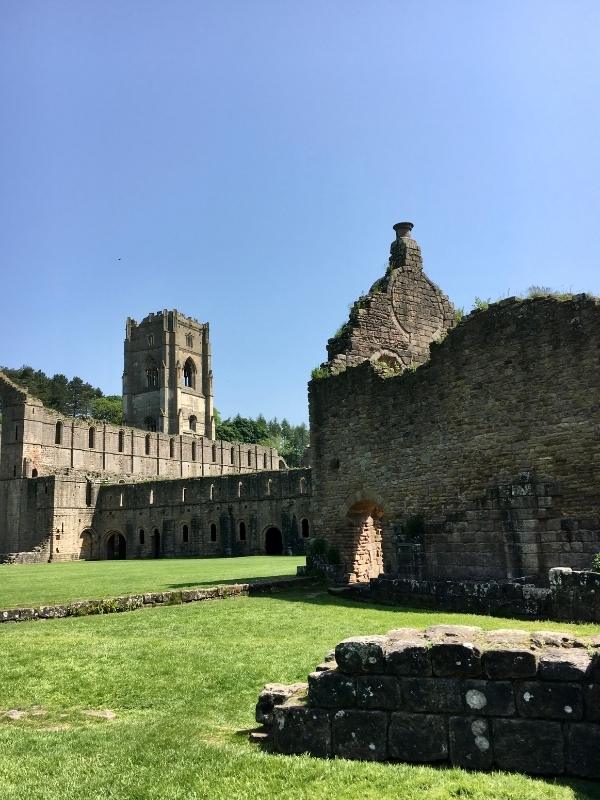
116	546
156	543
366	558
86	545
273	541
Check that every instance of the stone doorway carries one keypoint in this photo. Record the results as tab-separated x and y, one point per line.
365	535
273	542
155	543
116	547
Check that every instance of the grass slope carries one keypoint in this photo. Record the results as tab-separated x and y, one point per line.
39	584
183	682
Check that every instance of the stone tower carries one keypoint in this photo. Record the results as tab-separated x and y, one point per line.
167	380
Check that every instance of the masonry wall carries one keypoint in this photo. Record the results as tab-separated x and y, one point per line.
75	517
482	463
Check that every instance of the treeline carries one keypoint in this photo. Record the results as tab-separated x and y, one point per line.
76	398
72	397
290	440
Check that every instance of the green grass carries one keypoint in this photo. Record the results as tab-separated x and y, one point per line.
183	682
39	584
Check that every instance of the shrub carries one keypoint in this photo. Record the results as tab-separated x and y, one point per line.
318	547
481	305
333	557
319	372
596	563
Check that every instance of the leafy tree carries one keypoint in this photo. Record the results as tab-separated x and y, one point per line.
108	409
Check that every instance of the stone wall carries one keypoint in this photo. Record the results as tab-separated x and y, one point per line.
397	320
504	700
74	517
483	463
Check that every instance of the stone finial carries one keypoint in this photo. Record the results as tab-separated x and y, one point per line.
403	230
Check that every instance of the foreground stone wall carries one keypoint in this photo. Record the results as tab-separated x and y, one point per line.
498	700
491	446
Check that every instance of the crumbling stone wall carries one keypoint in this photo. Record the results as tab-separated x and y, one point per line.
397	320
492	444
504	699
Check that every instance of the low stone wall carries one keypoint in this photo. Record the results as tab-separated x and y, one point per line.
504	699
131	602
571	595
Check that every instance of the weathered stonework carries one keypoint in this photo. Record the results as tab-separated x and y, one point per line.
469	707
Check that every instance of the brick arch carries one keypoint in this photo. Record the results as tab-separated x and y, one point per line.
362	551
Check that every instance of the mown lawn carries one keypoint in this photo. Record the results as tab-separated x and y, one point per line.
183	682
38	584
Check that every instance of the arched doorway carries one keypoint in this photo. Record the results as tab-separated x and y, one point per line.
116	546
364	537
273	542
156	543
86	545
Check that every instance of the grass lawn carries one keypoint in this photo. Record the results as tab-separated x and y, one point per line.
39	584
182	682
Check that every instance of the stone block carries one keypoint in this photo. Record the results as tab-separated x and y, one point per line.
564	664
418	737
460	659
532	746
489	698
407	658
507	663
470	740
274	694
359	734
361	655
437	695
583	750
453	632
378	691
301	729
549	700
331	689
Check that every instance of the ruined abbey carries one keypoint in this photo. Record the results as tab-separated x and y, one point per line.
449	449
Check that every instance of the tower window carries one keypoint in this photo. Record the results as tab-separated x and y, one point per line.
213	532
92	438
152	376
189	340
58	433
151	340
189	374
121	441
193	423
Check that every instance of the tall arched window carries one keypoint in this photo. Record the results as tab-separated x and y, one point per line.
92	438
171	448
214	452
185	534
233	455
58	433
213	532
193	423
302	485
305	529
88	493
211	491
264	460
269	485
242	531
121	441
152	375
189	340
189	374
240	488
148	444
249	458
193	451
142	536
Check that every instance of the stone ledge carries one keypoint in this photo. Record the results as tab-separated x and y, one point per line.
131	602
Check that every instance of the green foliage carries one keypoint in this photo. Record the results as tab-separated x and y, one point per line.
71	397
289	440
108	409
318	546
596	563
243	429
320	372
459	313
333	556
388	368
481	305
534	292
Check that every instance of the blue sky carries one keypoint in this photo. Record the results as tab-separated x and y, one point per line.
246	161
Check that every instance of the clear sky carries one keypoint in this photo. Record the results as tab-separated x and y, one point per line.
244	162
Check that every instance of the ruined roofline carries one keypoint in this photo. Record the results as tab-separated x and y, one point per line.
155	316
7	385
461	328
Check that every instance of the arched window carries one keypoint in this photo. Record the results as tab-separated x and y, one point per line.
305	529
233	455
214	452
88	493
152	375
142	536
92	438
171	448
193	451
58	433
185	534
249	458
151	498
302	485
269	485
150	424
264	460
240	488
121	441
34	473
189	374
183	494
151	340
189	340
193	423
148	444
121	500
242	531
211	491
213	532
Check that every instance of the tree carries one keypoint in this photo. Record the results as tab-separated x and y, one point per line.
108	409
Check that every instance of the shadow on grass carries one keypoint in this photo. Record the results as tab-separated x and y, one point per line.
229	581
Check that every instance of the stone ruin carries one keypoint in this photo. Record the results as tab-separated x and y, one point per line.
504	699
